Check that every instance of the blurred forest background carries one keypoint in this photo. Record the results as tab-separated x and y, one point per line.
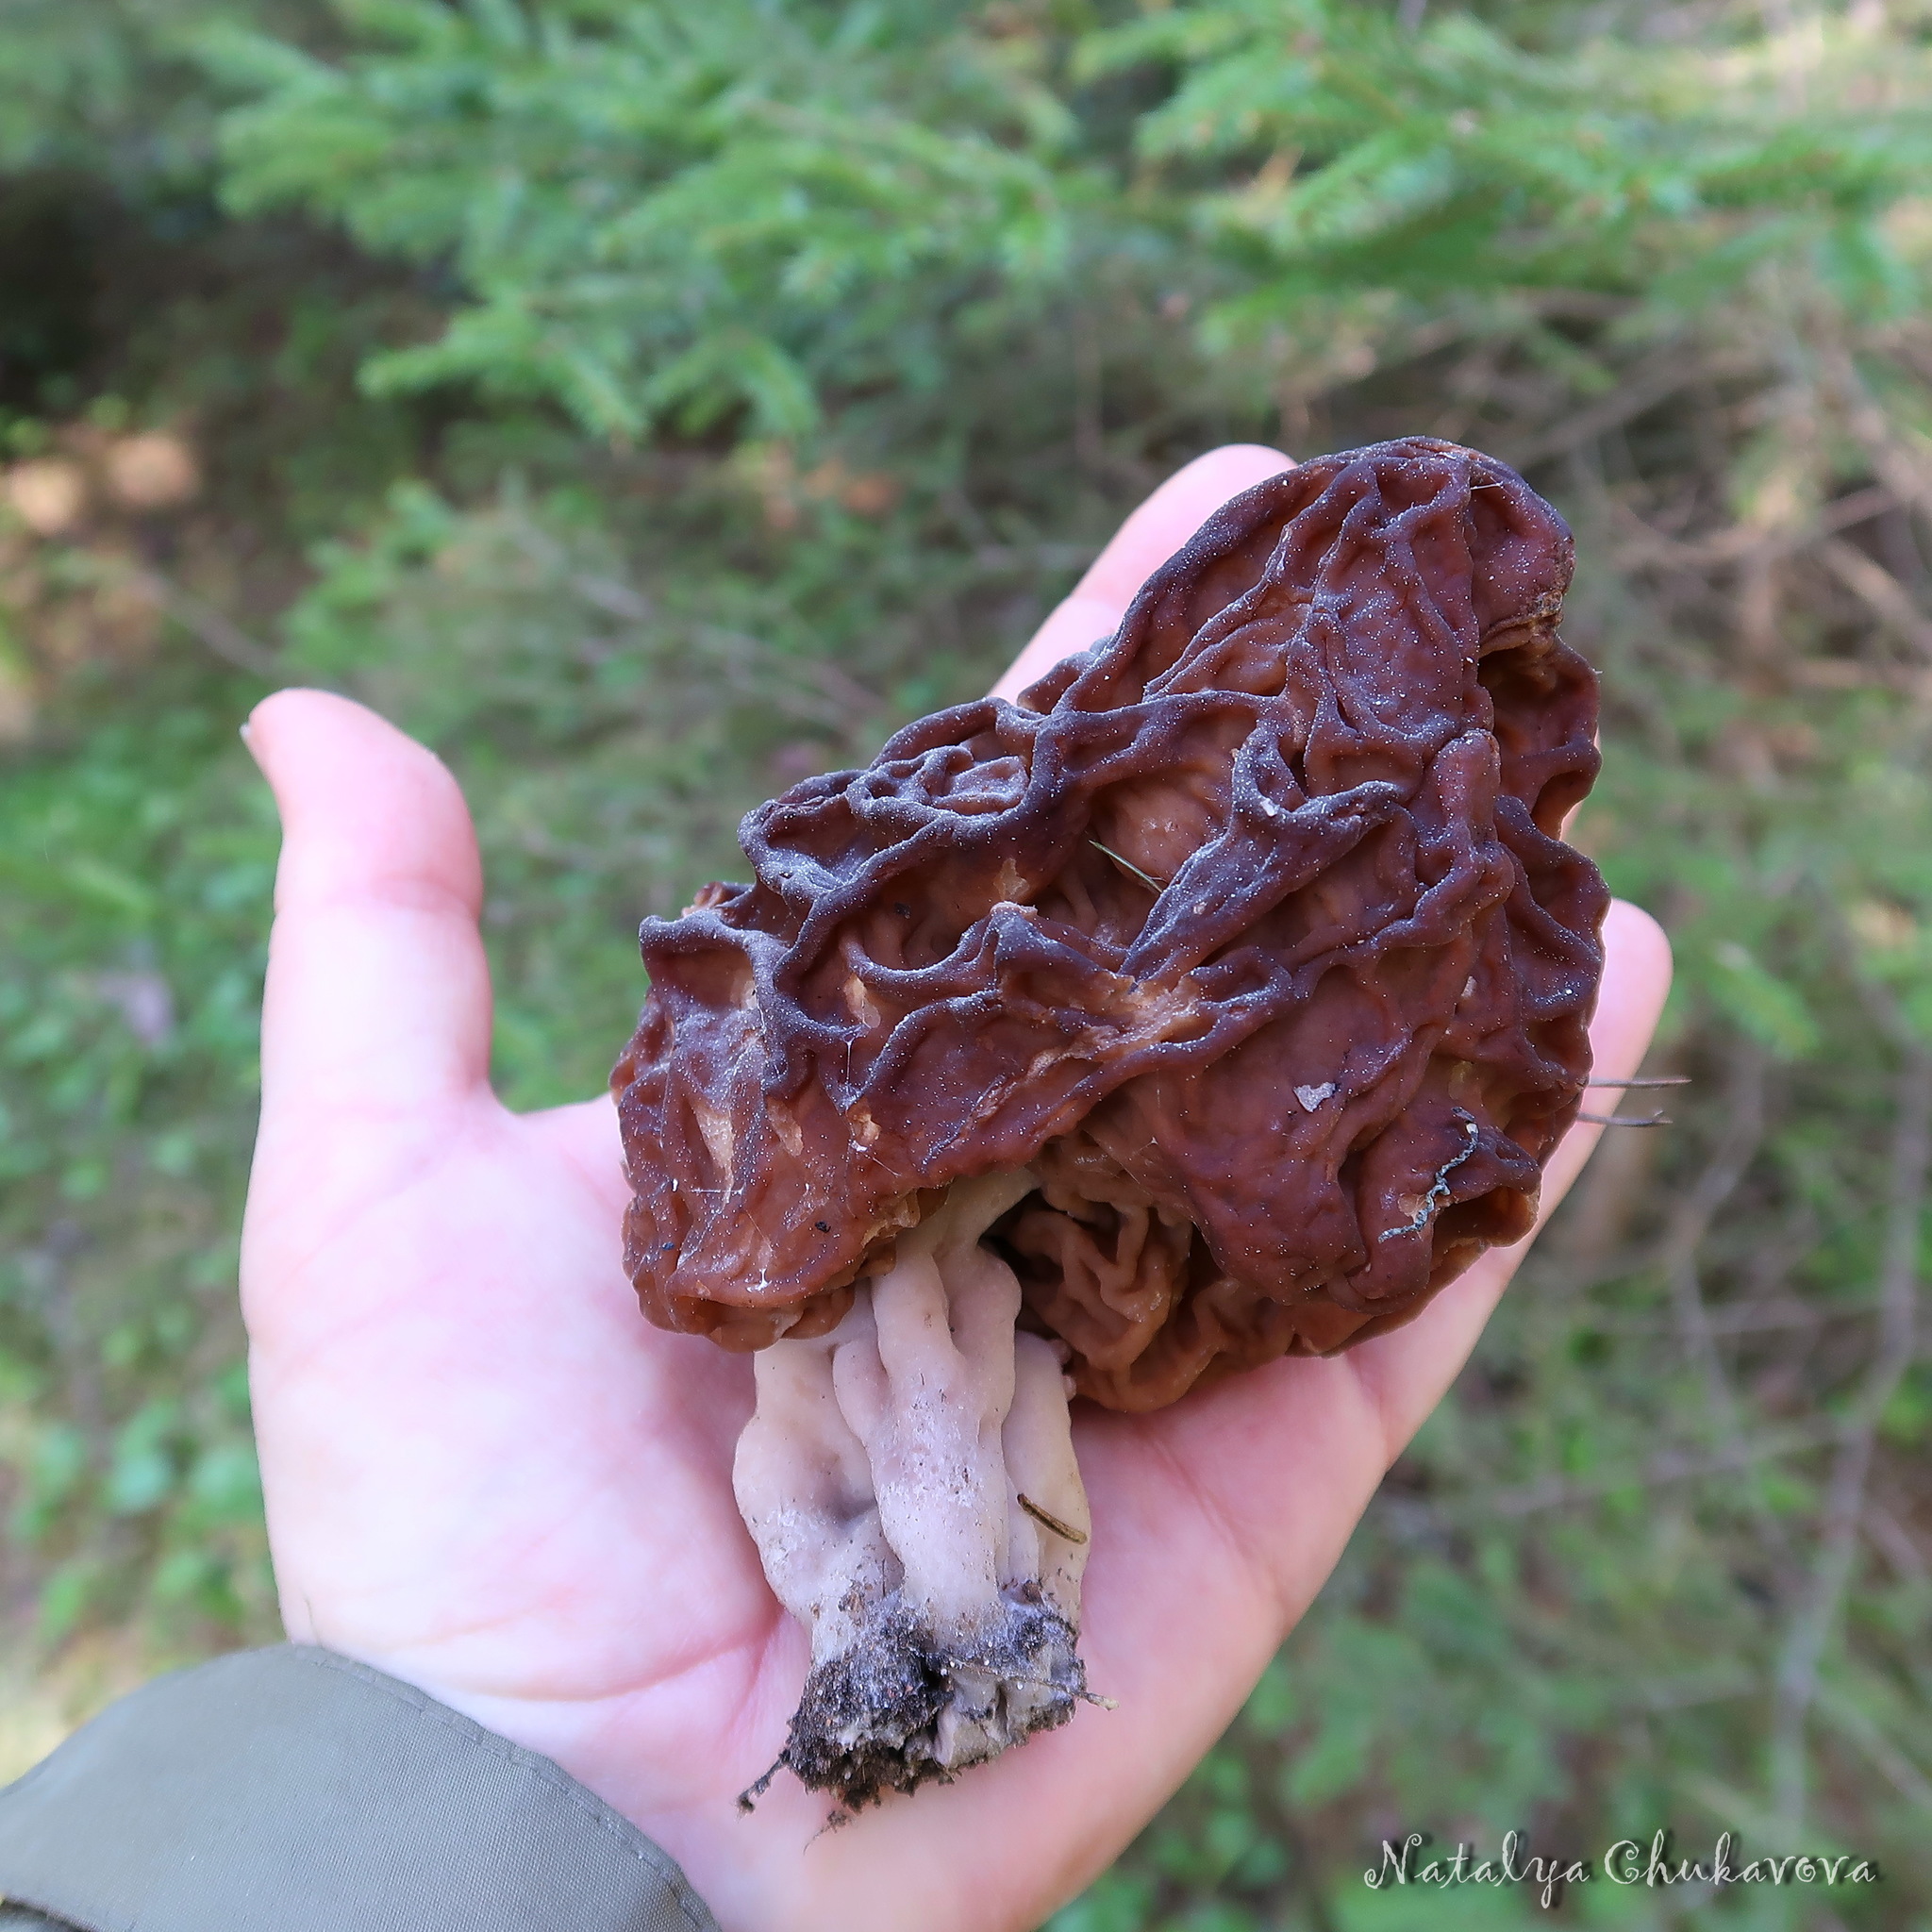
649	404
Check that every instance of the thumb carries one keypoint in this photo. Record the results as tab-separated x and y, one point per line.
1141	545
377	1004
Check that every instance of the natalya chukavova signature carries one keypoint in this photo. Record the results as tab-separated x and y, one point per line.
1628	1861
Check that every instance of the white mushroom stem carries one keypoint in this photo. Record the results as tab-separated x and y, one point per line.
909	1478
805	1489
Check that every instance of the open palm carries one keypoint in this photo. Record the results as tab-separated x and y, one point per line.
488	1475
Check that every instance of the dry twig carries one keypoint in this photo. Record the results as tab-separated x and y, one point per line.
1659	375
214	628
1672	1466
1879	591
1735	1150
1811	1627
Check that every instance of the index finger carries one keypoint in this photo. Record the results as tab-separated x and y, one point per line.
1141	545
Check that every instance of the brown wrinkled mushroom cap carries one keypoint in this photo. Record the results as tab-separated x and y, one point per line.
1250	931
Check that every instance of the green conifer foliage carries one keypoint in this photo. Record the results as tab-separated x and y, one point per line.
668	214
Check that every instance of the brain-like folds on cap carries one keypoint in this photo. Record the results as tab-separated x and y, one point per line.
1250	931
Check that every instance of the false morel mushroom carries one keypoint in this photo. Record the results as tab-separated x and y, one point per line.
1222	999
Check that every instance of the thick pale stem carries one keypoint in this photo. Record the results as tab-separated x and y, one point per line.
805	1489
909	1480
1044	1480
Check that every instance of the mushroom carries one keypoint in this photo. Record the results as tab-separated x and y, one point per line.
1220	1000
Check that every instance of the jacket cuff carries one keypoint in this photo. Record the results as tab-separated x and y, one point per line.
295	1791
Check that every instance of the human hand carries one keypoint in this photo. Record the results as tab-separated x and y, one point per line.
486	1475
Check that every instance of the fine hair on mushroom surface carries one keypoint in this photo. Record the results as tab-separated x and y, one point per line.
1221	999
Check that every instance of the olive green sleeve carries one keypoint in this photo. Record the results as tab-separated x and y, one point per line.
295	1791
